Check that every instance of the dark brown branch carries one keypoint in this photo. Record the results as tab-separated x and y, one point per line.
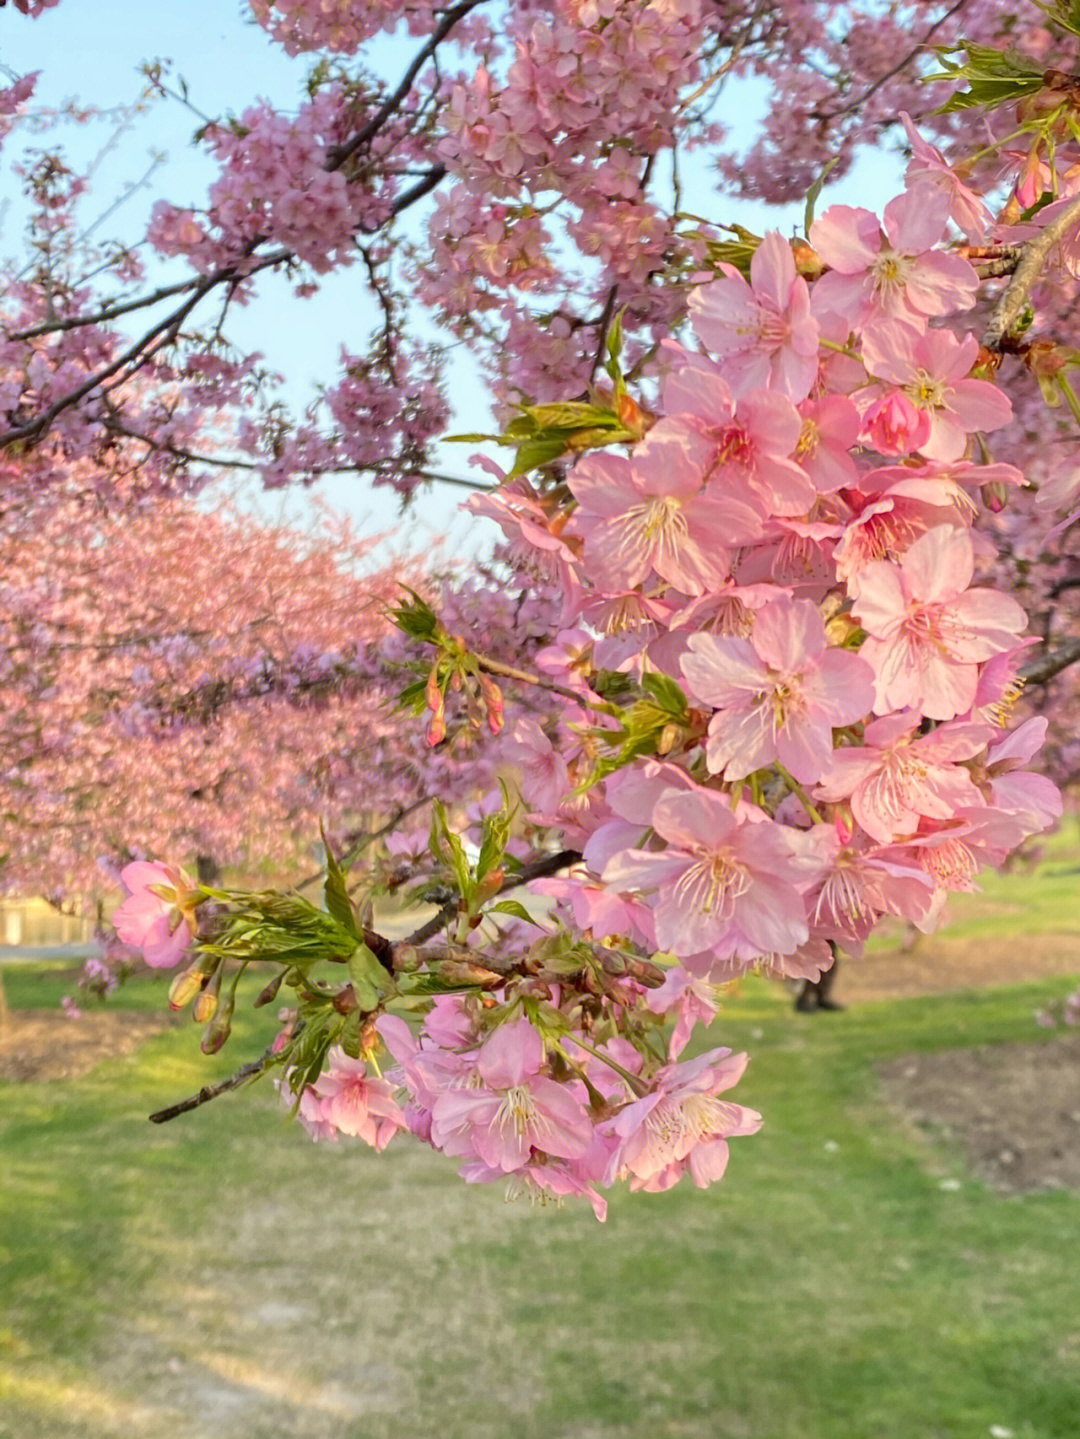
872	89
603	325
536	869
1040	671
340	153
211	1091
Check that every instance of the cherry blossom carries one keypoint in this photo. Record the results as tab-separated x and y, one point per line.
927	632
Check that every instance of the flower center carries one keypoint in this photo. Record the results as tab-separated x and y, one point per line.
953	864
661	516
890	271
518	1111
713	884
808	439
926	391
733	446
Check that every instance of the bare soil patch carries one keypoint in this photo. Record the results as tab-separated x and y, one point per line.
936	966
48	1044
1013	1108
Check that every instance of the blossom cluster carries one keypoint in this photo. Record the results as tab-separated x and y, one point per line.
791	545
490	1099
781	679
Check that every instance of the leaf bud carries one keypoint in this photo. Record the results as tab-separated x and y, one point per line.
490	885
406	958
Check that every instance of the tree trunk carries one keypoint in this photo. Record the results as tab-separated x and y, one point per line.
207	869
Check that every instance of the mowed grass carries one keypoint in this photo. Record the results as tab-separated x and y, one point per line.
223	1278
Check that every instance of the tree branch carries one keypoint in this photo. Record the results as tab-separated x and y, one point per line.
211	1091
340	153
1040	671
1026	273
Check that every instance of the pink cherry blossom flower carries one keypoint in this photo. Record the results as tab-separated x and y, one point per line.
1033	797
682	1125
895	425
900	776
514	1108
927	632
533	542
859	886
309	1111
689	998
952	854
752	439
596	909
830	430
543	1182
932	368
928	166
356	1104
545	780
889	520
762	334
158	915
777	695
723	885
891	270
649	514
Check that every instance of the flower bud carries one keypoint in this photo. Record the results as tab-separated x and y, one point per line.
995	496
406	958
269	994
436	730
187	984
433	691
219	1028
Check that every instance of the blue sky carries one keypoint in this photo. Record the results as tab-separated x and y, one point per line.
92	50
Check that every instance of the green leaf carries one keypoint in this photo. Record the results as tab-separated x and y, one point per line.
496	831
473	437
615	337
666	693
570	415
335	891
414	697
536	453
370	980
447	846
814	192
416	617
514	907
994	77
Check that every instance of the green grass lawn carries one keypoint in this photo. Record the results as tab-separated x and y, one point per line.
222	1277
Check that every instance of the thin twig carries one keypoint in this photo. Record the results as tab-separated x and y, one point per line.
356	849
211	1091
525	677
603	325
537	869
888	75
340	153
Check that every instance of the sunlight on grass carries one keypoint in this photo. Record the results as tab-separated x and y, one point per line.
223	1278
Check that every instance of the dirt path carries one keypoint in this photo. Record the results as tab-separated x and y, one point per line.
47	1044
936	966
